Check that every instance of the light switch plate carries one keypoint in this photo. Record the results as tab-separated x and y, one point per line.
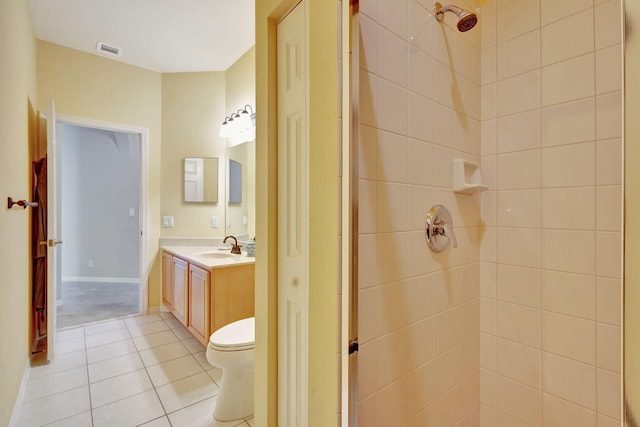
167	221
214	222
244	220
132	212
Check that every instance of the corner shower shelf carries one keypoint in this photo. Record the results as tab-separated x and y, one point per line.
466	177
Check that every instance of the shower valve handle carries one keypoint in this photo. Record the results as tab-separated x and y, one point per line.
447	231
439	229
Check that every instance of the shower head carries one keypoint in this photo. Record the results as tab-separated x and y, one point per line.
466	20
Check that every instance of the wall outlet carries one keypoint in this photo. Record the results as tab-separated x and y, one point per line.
229	222
214	222
244	220
167	221
132	211
90	263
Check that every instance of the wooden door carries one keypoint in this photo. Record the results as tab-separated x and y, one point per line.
54	231
180	283
292	220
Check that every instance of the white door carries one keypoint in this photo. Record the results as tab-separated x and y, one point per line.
292	220
53	225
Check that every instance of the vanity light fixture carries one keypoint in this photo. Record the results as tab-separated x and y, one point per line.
240	126
225	128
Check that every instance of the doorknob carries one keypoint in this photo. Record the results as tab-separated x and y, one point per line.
51	242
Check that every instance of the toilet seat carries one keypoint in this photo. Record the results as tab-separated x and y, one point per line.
236	336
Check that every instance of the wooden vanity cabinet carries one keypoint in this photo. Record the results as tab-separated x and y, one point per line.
167	280
219	297
206	300
180	289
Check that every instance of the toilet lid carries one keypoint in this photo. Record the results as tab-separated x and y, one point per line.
239	335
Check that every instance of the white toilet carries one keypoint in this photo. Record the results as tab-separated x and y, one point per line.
231	348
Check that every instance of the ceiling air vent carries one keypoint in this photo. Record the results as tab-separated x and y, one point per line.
109	50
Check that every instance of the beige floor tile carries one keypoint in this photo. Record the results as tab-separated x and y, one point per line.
158	422
193	345
184	392
54	408
107	337
110	325
60	363
147	328
196	415
140	320
165	314
69	346
201	357
182	333
131	411
80	420
163	353
154	340
173	323
109	351
173	370
48	385
114	367
120	387
67	334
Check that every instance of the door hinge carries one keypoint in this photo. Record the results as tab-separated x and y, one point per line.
353	346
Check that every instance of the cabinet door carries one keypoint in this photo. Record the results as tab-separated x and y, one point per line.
180	282
232	295
199	288
167	280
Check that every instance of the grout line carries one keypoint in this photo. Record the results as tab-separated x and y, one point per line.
86	356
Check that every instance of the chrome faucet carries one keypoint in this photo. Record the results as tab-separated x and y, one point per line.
235	249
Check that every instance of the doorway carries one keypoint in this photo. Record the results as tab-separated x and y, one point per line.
100	186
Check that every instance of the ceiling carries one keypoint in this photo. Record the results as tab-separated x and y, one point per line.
160	35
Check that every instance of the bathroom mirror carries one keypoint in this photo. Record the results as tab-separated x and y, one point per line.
201	179
241	189
235	181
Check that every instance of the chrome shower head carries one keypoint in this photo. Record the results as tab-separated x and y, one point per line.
466	20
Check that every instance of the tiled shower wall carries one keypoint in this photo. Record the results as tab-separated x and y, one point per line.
550	270
418	311
524	316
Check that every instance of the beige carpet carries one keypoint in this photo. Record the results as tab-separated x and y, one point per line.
87	302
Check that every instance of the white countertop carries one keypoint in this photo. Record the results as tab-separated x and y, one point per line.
209	257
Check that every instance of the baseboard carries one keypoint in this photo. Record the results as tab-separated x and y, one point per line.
13	422
154	310
101	279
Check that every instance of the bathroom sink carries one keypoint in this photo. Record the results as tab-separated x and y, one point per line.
216	255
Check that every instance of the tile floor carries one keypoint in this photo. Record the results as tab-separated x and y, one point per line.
140	371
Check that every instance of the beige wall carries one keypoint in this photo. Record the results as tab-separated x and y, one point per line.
92	87
323	101
193	107
17	109
550	276
418	310
240	91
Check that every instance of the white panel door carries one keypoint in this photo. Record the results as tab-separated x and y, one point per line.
292	220
53	225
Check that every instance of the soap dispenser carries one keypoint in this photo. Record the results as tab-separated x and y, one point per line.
251	247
